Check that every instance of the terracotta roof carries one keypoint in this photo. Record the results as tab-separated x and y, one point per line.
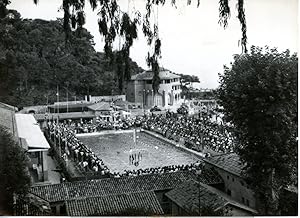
115	205
148	75
210	176
100	106
229	162
101	187
32	206
188	198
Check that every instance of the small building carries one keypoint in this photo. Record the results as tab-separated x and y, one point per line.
194	198
34	142
139	89
103	110
230	168
106	98
58	195
65	107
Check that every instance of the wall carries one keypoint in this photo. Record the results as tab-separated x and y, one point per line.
106	98
45	165
177	211
130	91
237	186
142	92
231	210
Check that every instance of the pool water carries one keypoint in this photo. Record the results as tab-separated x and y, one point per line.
119	151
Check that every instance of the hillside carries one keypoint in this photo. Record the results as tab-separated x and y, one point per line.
35	59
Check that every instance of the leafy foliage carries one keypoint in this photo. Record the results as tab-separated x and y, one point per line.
189	78
35	59
115	24
14	176
259	96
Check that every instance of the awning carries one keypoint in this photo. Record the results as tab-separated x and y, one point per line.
30	132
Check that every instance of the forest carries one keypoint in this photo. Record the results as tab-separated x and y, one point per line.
35	59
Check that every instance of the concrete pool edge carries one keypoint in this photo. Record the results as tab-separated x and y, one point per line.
196	153
105	132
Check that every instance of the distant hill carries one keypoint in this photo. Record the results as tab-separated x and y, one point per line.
35	59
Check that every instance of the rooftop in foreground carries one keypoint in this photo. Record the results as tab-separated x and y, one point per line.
229	162
110	186
118	204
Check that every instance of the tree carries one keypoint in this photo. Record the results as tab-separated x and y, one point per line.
259	96
15	178
34	60
115	24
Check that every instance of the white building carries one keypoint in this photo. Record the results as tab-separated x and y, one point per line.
139	89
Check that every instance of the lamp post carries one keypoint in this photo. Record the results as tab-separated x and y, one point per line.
67	91
152	97
143	101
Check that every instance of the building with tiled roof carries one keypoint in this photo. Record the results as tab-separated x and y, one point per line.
229	162
100	106
83	197
139	89
210	176
138	203
58	194
230	168
32	205
190	196
100	187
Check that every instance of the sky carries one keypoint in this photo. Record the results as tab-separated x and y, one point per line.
192	40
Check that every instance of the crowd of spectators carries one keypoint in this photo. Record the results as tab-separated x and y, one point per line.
194	167
89	126
71	148
196	132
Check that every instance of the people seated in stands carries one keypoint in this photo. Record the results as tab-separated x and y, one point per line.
197	133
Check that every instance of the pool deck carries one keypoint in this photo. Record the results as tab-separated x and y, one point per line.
105	132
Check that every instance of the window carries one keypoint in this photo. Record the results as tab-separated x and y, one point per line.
232	179
53	210
33	154
165	198
247	202
227	177
243	200
229	192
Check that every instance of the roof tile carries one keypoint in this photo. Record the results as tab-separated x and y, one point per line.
229	162
115	204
